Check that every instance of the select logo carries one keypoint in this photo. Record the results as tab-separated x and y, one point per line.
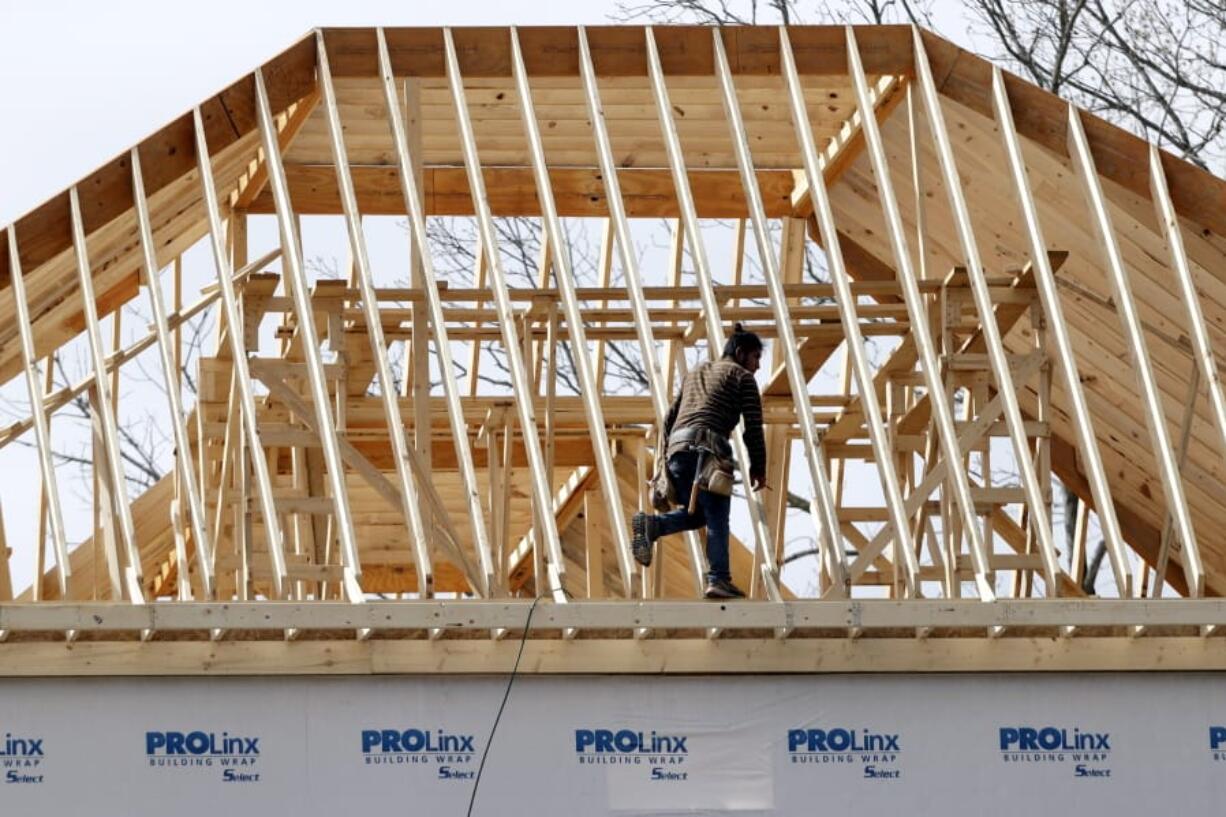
21	759
237	756
875	754
665	755
449	754
1086	753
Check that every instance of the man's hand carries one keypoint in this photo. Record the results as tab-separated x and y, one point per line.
758	482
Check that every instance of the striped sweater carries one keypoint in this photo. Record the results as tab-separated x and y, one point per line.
715	395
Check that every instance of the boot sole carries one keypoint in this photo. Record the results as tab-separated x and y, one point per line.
720	595
640	546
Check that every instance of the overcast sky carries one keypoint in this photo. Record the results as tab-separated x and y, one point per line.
85	81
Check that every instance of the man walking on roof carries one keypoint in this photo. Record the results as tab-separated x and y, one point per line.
713	397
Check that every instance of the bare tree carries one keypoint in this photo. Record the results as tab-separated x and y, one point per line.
774	12
1155	67
145	446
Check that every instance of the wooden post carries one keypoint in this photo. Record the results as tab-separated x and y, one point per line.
918	316
564	277
411	192
1130	321
1087	441
242	373
418	521
42	426
595	523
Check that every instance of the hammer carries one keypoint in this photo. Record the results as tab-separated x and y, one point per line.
692	508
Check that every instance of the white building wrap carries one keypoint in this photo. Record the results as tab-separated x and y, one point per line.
864	745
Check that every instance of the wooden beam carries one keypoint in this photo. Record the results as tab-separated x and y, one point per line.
364	278
710	304
413	207
618	51
1138	350
917	310
580	350
614	657
579	191
257	181
988	328
483	615
234	325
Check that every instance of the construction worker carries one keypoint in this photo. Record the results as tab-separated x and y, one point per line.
713	397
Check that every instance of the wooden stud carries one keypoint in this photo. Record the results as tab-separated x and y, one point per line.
1045	281
42	426
1155	418
291	253
706	287
1202	345
919	322
1035	500
409	505
242	374
579	348
546	526
170	373
113	472
846	302
822	501
417	221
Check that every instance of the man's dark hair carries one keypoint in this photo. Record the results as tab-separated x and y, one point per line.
741	341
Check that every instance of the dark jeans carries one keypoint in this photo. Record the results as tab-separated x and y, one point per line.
712	511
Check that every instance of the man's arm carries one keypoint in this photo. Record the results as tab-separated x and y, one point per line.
755	439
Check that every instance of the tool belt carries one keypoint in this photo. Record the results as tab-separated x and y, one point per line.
715	465
697	438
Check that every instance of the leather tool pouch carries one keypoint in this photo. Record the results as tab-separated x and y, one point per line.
716	476
660	488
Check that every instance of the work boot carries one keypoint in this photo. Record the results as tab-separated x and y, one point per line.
644	526
723	589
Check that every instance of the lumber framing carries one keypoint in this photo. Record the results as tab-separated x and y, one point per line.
327	511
